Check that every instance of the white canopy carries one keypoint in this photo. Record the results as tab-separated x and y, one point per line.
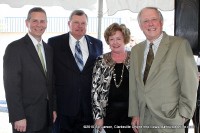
112	5
136	5
66	4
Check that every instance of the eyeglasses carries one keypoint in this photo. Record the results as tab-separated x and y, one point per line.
147	21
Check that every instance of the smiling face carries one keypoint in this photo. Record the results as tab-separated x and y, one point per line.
37	24
116	42
78	26
150	23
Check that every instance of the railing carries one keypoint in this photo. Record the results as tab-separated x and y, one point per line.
3	106
55	24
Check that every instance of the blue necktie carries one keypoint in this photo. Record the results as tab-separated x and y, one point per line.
79	56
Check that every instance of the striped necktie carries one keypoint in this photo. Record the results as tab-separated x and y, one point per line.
150	58
79	56
39	50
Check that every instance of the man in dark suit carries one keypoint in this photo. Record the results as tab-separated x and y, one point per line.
73	84
28	78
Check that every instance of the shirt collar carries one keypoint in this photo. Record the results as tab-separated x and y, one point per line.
73	40
35	42
157	41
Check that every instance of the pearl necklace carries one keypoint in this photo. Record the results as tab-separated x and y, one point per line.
121	79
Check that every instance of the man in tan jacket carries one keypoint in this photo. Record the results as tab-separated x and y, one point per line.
168	97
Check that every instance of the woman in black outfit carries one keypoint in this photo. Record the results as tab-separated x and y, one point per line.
110	85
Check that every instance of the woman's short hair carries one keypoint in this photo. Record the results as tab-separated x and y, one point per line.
111	30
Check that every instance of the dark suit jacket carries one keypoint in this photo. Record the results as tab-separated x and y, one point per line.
26	85
198	92
72	86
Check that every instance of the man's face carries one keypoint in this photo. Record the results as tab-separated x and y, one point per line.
78	26
151	24
37	24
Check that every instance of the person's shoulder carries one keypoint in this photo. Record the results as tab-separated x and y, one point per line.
172	38
93	39
58	37
139	45
15	46
17	43
105	55
104	59
177	39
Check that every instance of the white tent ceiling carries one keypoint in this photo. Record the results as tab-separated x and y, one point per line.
66	4
136	5
112	5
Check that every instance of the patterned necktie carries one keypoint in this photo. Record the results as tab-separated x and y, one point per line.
39	50
79	56
150	57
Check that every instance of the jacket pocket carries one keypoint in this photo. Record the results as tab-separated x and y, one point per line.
170	109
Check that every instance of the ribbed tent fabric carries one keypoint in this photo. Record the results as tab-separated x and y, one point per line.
112	5
66	4
136	5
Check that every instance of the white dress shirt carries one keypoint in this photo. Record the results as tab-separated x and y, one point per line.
83	46
155	46
35	42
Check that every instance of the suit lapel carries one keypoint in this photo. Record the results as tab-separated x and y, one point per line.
140	61
162	50
69	57
47	58
91	50
33	52
67	54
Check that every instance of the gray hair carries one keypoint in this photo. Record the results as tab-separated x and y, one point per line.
35	9
153	8
79	13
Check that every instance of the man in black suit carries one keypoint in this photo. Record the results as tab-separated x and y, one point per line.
73	85
28	78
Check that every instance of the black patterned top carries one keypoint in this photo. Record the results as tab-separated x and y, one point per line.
101	79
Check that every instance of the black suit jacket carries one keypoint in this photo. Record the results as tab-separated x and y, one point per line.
72	86
26	85
198	92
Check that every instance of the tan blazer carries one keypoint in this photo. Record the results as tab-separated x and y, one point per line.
171	87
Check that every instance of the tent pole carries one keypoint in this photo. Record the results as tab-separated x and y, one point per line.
100	15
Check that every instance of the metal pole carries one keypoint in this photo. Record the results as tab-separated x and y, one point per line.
100	15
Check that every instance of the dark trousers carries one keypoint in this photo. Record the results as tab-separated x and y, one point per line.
195	120
117	120
45	130
75	124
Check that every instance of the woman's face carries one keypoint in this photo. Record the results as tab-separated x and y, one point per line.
116	42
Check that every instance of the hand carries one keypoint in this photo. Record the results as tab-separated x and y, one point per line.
54	116
99	123
135	123
184	119
20	125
